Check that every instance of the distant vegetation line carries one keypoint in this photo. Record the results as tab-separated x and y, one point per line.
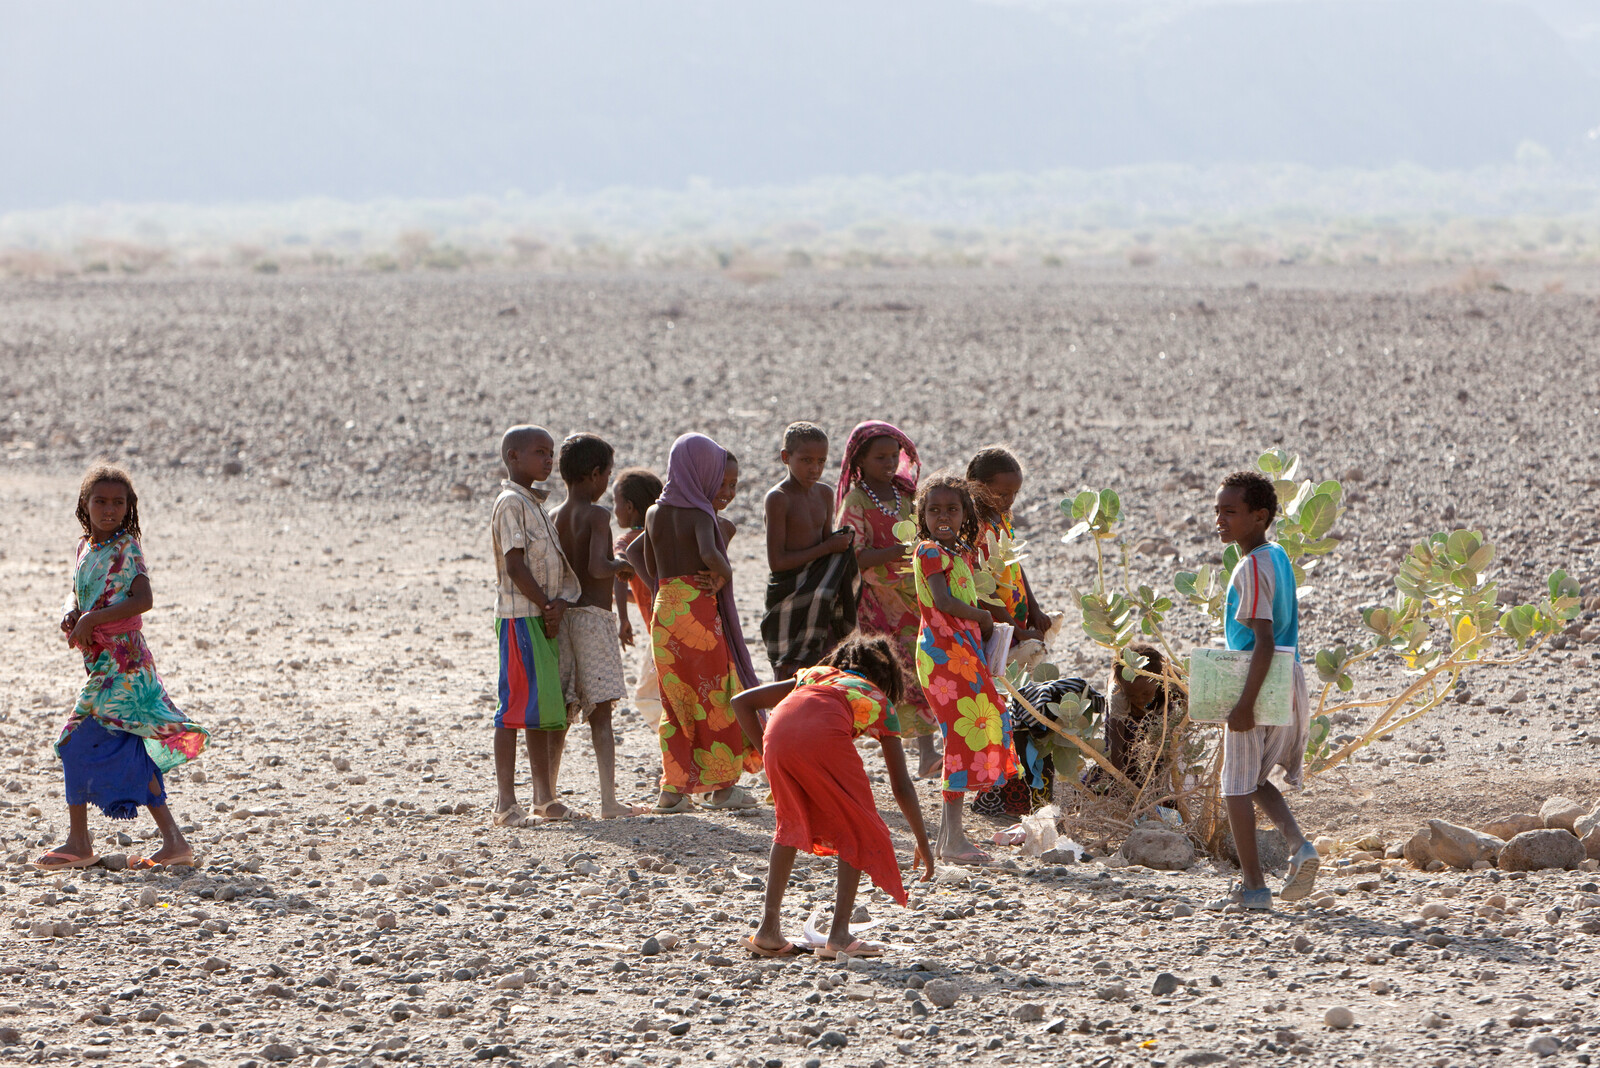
1533	210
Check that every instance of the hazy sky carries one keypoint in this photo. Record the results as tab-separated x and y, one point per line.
166	101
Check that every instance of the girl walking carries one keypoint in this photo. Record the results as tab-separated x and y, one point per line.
820	791
124	732
950	659
877	489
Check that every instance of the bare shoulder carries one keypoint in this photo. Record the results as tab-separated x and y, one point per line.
778	496
822	493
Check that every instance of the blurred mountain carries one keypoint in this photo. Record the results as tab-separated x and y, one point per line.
171	101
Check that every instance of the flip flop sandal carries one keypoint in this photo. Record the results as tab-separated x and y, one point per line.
976	859
515	816
682	804
857	948
737	800
570	813
147	863
789	949
66	861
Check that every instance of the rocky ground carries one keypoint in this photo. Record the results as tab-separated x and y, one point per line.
315	459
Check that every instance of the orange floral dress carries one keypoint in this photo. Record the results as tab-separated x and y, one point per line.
702	745
820	793
955	679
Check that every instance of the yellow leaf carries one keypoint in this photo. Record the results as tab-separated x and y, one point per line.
1466	630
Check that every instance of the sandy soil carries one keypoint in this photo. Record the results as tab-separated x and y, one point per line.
326	611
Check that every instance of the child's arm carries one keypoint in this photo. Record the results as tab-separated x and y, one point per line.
782	558
889	554
705	540
905	795
1243	716
137	603
1037	619
947	602
623	593
602	564
521	577
643	561
747	704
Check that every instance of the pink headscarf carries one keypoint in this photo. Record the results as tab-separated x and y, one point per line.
694	475
905	476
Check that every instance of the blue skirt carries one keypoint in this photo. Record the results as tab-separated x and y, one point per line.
111	770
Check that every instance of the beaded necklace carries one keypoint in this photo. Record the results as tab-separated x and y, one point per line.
862	482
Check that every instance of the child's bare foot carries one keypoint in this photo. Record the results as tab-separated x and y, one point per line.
616	810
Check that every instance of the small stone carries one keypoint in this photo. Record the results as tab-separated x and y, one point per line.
651	947
942	992
214	964
1339	1018
1435	910
513	981
1166	983
148	897
1028	1012
1112	992
277	1051
10	1036
1302	944
1325	844
1378	986
1432	1021
1056	1026
1058	856
833	1040
1180	911
1543	1045
387	921
114	861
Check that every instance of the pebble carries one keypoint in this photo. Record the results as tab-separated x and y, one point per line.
942	993
1165	983
1339	1018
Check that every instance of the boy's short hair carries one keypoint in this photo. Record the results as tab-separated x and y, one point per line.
796	434
1256	488
639	486
582	455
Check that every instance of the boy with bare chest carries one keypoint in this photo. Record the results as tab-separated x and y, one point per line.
810	596
591	654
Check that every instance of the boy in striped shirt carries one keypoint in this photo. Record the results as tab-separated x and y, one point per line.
1262	615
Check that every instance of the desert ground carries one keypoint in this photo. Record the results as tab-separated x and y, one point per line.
316	458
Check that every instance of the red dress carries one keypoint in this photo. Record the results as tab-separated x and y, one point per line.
820	791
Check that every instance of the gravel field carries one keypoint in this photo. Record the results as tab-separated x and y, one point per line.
316	461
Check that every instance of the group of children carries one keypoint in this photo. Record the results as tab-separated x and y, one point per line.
874	625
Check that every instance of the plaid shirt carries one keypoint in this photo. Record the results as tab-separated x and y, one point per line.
520	522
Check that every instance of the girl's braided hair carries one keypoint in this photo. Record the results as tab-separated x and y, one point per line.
104	472
969	509
871	656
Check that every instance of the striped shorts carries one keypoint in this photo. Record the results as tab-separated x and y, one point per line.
1249	757
530	677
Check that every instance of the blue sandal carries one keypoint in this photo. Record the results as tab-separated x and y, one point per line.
1302	873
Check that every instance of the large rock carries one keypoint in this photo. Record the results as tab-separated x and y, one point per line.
1560	812
1508	827
1271	847
1166	850
1536	850
1462	847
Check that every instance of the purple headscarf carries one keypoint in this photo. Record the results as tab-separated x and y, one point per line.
694	475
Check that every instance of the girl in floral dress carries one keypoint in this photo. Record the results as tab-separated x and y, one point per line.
124	732
877	489
950	659
820	791
996	478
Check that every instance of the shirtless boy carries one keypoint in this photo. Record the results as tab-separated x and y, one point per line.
591	657
810	602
